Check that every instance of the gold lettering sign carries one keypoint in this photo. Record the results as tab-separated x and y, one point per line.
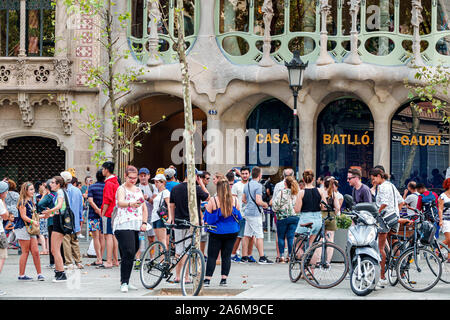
420	140
350	139
275	138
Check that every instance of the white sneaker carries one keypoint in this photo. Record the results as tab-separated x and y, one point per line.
382	283
69	266
2	293
81	236
131	287
124	288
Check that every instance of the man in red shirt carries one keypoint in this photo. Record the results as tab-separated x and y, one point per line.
109	202
425	193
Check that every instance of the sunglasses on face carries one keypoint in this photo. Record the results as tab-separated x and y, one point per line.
348	179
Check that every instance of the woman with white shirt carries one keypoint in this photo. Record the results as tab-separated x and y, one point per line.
162	197
3	216
387	200
131	218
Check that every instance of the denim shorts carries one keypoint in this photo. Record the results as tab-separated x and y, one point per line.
307	217
107	227
241	228
158	224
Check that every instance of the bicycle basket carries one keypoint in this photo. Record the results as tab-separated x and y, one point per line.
426	232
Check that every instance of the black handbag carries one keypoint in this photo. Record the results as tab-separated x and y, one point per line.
162	211
67	218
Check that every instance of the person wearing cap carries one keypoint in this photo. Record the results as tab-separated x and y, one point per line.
149	192
71	244
4	215
162	197
170	177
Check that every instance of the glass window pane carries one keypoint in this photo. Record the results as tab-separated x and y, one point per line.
406	16
189	18
137	18
302	16
443	46
347	19
332	18
380	15
443	13
344	140
9	33
234	15
33	32
164	7
420	146
48	38
277	23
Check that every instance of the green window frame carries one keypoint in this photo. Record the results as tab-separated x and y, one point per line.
138	43
249	41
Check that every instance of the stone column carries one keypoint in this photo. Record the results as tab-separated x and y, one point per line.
61	35
416	20
154	17
324	57
267	9
23	28
353	57
382	142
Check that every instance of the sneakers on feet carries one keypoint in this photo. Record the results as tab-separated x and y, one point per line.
251	259
244	259
382	283
206	282
2	293
24	278
264	260
223	282
131	287
41	278
124	288
235	258
60	276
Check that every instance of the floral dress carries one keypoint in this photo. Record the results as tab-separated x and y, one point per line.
129	218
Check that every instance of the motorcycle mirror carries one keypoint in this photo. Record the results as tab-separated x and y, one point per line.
348	201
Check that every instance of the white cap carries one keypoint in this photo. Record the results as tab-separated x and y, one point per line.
160	177
67	176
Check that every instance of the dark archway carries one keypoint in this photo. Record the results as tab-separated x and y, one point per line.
344	140
272	122
32	159
425	157
157	146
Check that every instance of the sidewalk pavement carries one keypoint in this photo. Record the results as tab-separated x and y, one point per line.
246	281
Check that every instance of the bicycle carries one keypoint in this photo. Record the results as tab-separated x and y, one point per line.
416	259
158	262
317	266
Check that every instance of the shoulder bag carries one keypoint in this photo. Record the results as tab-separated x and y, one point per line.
251	197
163	212
67	218
31	228
389	219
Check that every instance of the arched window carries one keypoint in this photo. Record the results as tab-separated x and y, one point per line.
419	145
344	140
140	27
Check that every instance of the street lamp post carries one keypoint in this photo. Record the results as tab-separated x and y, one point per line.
296	69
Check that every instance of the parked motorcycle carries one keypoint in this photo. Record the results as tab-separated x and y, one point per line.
362	247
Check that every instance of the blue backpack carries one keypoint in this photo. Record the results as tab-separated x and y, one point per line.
429	207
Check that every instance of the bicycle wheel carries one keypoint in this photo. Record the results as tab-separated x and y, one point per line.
443	252
153	265
193	273
295	259
421	274
391	264
327	270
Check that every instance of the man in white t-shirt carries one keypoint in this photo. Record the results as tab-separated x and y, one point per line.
149	191
411	199
3	216
238	191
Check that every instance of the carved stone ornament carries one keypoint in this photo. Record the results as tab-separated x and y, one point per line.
66	113
154	19
267	9
324	56
26	109
63	71
20	71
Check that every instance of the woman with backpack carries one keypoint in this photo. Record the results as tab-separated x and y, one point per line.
160	205
287	218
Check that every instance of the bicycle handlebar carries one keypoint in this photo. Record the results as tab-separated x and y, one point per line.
187	223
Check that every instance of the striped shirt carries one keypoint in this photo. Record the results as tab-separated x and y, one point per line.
95	192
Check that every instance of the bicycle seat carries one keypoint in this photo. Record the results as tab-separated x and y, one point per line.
307	225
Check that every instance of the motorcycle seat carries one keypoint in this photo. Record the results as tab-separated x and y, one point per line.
307	225
366	206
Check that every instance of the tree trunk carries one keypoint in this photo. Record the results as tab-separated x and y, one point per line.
412	151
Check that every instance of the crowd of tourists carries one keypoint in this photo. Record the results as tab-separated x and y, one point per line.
120	216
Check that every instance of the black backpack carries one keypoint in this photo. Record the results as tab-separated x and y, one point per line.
67	218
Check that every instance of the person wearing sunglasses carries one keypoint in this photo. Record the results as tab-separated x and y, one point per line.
361	192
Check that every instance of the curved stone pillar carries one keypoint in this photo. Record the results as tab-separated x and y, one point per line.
324	57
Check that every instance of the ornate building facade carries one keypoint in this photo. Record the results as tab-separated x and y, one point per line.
353	109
